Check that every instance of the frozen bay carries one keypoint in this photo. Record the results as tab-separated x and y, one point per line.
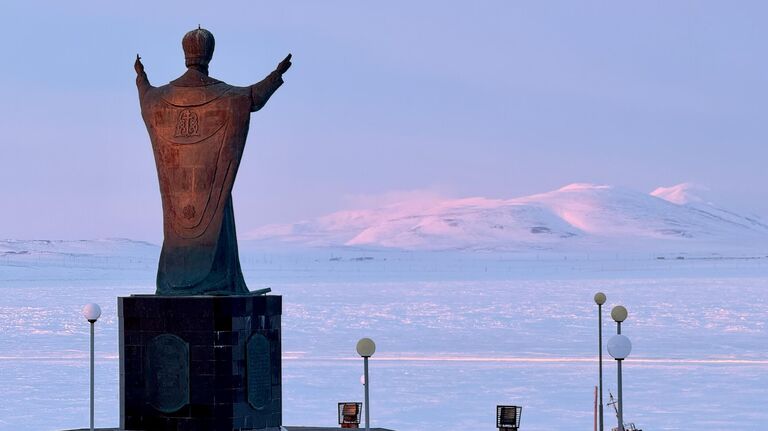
457	333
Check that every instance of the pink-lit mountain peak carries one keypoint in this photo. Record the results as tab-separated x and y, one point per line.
577	215
681	194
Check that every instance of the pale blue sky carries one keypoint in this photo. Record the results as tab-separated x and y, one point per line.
488	98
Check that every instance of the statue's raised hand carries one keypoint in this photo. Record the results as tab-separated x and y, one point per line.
284	65
138	66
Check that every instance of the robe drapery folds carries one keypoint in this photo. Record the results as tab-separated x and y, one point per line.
198	127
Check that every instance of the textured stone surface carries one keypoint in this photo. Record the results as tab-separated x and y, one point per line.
214	333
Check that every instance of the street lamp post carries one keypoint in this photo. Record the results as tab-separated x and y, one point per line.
92	312
366	348
600	300
619	314
619	347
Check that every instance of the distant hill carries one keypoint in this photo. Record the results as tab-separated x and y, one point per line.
76	248
575	217
578	218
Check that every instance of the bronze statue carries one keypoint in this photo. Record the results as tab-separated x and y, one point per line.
198	127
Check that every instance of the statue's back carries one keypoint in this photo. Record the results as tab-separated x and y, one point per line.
198	135
198	127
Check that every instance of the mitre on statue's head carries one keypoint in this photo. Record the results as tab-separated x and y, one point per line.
198	47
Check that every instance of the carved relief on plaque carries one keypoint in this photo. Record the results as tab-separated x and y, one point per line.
187	124
259	371
167	373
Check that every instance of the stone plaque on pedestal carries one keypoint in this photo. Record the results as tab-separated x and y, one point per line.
200	362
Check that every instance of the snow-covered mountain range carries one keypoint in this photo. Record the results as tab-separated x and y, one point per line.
575	217
75	248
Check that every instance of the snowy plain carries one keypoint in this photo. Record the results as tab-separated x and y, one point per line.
457	334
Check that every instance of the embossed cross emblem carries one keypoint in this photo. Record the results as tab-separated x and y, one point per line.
187	124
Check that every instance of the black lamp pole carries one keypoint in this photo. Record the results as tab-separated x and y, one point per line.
600	300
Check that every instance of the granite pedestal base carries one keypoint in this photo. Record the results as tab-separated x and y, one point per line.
191	363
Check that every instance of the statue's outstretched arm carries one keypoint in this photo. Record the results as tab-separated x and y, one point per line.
142	82
263	90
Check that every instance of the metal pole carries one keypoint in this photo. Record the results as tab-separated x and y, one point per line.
621	402
367	404
621	407
92	351
594	426
600	349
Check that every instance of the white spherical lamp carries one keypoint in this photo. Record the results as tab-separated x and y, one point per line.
619	347
92	312
366	347
619	313
600	298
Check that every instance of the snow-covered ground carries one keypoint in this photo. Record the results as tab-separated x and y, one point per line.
457	333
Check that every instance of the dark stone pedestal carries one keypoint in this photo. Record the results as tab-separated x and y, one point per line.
287	428
191	363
